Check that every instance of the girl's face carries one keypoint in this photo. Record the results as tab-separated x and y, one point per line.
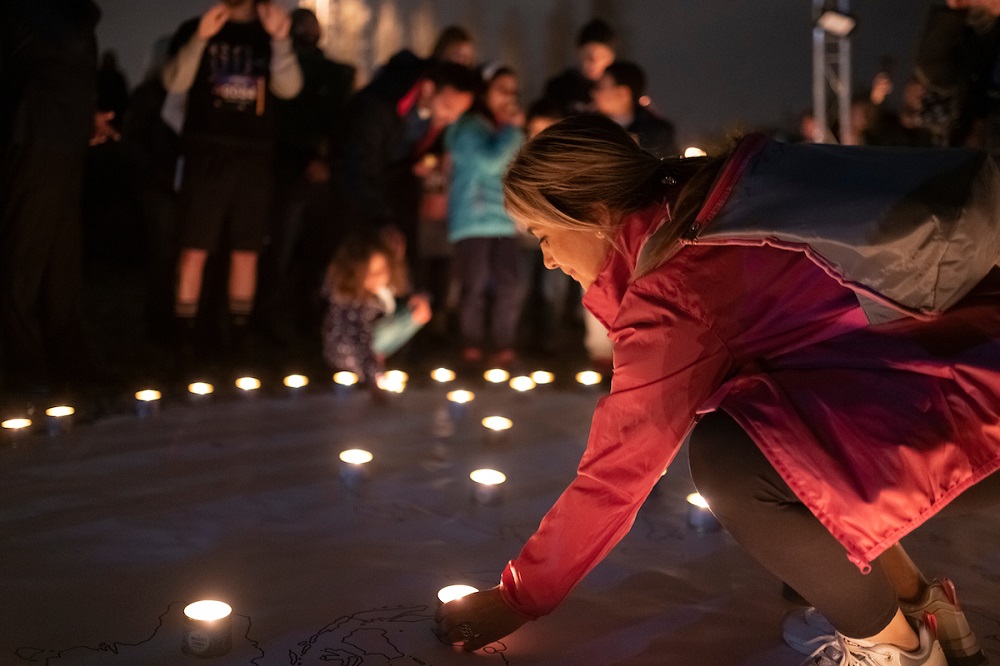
377	277
502	95
579	253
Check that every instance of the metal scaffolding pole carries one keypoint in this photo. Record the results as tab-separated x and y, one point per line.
831	73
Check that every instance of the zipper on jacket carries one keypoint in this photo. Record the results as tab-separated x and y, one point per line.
724	184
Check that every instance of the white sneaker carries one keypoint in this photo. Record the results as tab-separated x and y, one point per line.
805	628
843	651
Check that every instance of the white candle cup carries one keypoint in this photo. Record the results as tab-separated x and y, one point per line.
147	403
249	387
452	592
700	517
487	485
200	392
16	430
458	404
496	428
208	629
59	420
354	466
344	383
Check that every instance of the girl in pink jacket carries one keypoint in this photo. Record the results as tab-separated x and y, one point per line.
826	320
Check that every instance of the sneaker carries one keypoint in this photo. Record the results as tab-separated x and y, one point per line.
804	628
959	642
842	651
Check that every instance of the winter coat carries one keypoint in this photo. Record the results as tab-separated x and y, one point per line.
479	153
875	427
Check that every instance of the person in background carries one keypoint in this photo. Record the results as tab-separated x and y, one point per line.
233	62
486	259
596	44
48	75
456	45
363	325
308	145
390	125
619	93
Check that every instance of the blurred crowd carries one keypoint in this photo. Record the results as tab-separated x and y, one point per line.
249	204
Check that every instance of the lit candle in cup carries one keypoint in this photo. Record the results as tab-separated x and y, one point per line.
487	485
248	386
496	428
16	429
200	391
458	403
588	378
443	375
522	384
344	382
59	419
541	377
452	592
496	376
208	629
393	381
295	383
700	517
354	465
147	403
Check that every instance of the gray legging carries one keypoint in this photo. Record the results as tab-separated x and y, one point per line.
765	517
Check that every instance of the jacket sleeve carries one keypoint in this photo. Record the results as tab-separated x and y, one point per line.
472	141
286	73
666	365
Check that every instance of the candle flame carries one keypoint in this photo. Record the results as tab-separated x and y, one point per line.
542	377
588	377
452	592
200	388
497	423
697	500
208	610
296	381
60	411
461	397
248	383
345	378
15	424
488	477
522	383
356	456
443	375
496	375
147	395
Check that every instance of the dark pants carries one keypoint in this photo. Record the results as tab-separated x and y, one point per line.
482	264
765	517
40	267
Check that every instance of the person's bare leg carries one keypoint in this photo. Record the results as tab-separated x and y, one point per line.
190	268
242	281
907	580
898	633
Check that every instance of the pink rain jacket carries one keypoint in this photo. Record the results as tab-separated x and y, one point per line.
874	427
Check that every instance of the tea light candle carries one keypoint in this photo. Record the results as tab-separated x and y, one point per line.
452	592
147	403
588	378
393	381
344	382
354	465
458	403
16	429
295	383
59	420
487	485
248	386
496	428
700	517
542	377
200	391
496	376
522	384
443	375
208	629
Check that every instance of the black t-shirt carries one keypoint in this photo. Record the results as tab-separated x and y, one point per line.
230	100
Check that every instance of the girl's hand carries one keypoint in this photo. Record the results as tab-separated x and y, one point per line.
420	309
477	620
212	21
275	20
